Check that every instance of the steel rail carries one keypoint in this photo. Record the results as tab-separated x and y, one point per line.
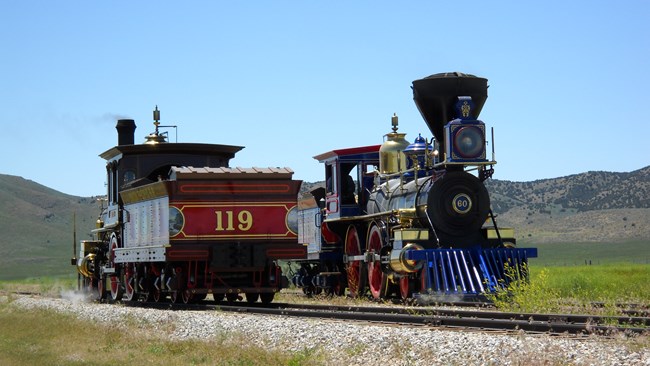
435	317
564	318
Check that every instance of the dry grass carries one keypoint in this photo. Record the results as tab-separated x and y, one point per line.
41	337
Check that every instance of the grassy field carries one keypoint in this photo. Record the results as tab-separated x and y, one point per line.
38	337
575	289
624	282
41	337
570	254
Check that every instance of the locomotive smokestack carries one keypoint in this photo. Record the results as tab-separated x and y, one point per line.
125	131
436	97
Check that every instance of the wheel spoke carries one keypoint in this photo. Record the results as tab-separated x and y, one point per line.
187	296
116	288
174	297
406	287
377	280
129	282
115	279
353	269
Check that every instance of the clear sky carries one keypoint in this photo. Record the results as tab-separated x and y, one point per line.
569	80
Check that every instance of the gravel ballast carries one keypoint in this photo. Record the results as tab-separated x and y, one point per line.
352	343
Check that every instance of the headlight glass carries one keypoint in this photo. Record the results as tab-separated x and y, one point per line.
469	142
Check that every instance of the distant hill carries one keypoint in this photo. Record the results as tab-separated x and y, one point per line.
38	225
602	207
588	207
589	191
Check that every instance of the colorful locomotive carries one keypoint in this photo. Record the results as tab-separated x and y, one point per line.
411	220
180	223
421	224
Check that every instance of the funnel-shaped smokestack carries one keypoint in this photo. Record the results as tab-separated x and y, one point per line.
436	98
125	131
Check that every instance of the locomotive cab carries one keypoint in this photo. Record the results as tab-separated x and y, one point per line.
349	177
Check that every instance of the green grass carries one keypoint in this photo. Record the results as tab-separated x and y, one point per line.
624	282
569	254
46	286
573	289
43	337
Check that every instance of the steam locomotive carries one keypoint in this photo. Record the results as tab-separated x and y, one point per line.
412	220
397	219
180	223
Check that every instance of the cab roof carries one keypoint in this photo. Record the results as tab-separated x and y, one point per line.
353	153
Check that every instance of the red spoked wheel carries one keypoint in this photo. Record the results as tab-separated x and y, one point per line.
157	296
155	283
407	286
425	286
178	286
377	280
130	277
116	288
355	270
338	287
186	296
173	296
115	282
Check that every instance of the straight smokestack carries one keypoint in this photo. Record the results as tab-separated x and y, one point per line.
125	131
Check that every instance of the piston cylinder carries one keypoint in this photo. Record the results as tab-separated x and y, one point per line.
399	262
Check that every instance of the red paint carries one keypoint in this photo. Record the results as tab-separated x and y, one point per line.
242	220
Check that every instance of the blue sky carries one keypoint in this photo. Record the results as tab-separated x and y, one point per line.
569	80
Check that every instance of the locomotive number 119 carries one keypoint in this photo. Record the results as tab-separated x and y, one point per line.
226	220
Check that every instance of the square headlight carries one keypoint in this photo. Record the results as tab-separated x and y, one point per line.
465	141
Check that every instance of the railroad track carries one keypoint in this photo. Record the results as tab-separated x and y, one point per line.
630	309
436	317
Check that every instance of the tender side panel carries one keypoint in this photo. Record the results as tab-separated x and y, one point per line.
232	220
146	224
233	217
227	204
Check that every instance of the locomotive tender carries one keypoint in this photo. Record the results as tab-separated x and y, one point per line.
421	225
180	222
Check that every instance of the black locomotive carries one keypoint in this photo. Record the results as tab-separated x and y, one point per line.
412	219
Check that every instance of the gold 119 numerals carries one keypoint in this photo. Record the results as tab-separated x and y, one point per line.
229	220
